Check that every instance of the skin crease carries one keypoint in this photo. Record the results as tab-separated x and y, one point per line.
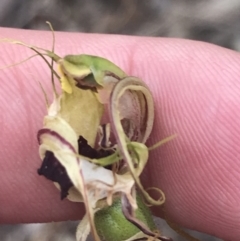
196	89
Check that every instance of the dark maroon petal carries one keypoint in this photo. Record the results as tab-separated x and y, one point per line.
87	83
87	151
53	170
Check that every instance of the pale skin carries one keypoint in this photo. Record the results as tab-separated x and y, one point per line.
196	88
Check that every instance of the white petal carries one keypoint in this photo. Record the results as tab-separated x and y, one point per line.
83	229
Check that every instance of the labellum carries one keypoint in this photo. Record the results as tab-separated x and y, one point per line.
95	163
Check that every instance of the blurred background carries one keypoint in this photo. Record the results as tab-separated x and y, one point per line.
214	21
